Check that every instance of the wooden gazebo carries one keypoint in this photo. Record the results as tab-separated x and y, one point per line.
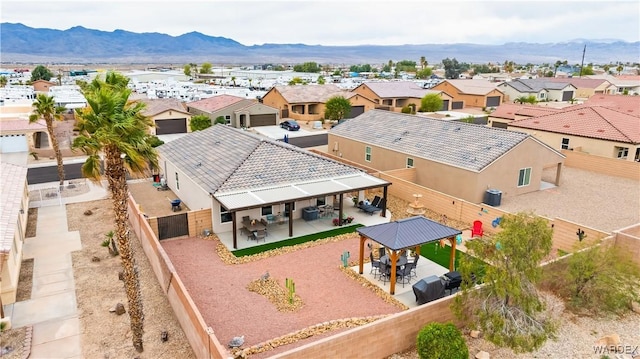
403	234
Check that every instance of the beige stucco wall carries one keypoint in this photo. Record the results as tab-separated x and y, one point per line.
169	115
458	182
13	260
584	144
365	91
255	109
274	99
469	100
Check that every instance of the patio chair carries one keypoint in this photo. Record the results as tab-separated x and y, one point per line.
376	201
381	203
414	264
382	252
368	209
260	234
476	230
385	272
375	266
404	274
246	219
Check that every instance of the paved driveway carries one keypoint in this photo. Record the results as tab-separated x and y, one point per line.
278	133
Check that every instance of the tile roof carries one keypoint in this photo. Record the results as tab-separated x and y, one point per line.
22	125
160	105
535	85
215	103
594	122
14	179
309	93
468	146
408	232
578	82
224	159
626	104
474	87
510	110
394	89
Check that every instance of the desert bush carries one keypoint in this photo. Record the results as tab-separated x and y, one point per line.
600	279
441	341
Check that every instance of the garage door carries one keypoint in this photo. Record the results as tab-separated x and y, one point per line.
457	105
263	120
445	105
166	127
567	95
493	101
13	143
356	111
498	124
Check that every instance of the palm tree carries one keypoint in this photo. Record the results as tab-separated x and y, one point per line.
233	79
45	108
3	81
116	127
619	68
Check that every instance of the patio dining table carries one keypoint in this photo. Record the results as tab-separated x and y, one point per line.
253	227
399	263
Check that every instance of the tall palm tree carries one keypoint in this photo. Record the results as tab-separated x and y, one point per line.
117	128
45	108
423	62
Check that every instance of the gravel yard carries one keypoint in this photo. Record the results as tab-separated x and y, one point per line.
598	201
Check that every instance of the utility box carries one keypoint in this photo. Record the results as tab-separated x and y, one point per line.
493	197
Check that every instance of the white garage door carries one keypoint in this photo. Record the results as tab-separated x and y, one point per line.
13	143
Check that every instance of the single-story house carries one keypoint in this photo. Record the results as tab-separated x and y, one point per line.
621	84
13	225
627	104
509	112
471	93
168	115
42	85
18	135
456	158
585	87
237	111
395	95
236	173
307	102
596	130
542	89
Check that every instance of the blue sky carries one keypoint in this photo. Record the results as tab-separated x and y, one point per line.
346	22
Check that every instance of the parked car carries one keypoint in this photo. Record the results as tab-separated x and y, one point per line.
290	125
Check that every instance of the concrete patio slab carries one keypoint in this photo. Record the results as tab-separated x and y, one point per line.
28	312
55	329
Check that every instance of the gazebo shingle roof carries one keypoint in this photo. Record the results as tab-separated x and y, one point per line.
408	232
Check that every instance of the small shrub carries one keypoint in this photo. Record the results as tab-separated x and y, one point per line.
406	109
441	341
154	141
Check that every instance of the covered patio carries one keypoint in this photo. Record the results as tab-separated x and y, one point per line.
403	234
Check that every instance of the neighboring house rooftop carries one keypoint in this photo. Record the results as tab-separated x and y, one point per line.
22	125
158	106
227	161
215	103
578	82
536	85
626	104
394	89
510	110
473	87
309	93
468	146
585	121
13	181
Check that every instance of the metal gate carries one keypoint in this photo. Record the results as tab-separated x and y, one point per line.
173	226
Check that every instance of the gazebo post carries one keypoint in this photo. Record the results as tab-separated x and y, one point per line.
452	258
418	250
235	234
394	260
291	219
383	213
362	240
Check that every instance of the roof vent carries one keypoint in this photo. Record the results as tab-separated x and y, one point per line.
580	113
566	126
600	130
536	121
395	140
457	129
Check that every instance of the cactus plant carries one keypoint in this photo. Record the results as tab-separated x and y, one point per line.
291	286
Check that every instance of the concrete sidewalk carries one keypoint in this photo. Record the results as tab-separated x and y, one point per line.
52	309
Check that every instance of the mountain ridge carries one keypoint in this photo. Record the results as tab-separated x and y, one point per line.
82	45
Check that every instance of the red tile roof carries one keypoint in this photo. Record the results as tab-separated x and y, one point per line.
215	103
594	122
622	103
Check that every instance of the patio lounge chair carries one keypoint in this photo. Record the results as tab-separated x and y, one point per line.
376	201
368	209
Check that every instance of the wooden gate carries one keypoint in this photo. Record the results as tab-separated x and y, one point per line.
173	226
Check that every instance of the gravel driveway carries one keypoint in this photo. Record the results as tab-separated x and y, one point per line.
598	201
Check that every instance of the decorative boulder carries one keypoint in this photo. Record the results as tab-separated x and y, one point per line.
120	309
483	355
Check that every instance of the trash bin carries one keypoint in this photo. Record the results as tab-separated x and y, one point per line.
493	197
156	178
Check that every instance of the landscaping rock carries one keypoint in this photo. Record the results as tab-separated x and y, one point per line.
164	336
120	309
483	355
635	306
95	259
609	340
88	212
474	334
121	275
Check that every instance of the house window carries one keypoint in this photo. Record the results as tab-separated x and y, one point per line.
524	178
225	215
227	117
321	201
267	210
565	143
367	154
622	152
177	181
409	162
542	95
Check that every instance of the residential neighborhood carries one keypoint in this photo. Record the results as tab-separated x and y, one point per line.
303	209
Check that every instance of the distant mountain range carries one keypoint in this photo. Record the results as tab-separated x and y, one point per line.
20	43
